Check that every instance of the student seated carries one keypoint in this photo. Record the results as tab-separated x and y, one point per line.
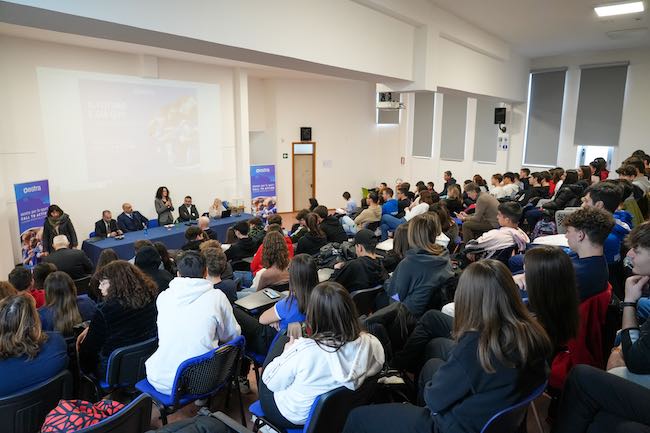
350	204
425	268
303	277
567	194
299	230
497	358
631	359
228	273
204	225
447	224
390	223
366	270
28	355
507	188
454	200
256	230
314	239
193	319
22	280
538	189
64	309
194	237
389	205
330	225
485	215
449	180
40	273
275	261
71	261
508	235
336	354
149	261
256	264
369	215
400	247
7	289
127	315
216	265
244	247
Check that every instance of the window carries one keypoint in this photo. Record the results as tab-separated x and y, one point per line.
600	104
423	125
586	154
454	121
485	141
545	101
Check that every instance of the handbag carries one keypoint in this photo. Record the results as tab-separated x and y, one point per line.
73	415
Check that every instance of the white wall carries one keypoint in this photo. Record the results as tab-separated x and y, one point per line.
24	155
635	127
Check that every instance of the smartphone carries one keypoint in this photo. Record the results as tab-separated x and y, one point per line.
271	293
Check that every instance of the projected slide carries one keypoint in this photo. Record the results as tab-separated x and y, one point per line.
145	122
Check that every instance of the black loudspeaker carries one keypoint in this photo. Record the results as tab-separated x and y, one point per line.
305	134
499	116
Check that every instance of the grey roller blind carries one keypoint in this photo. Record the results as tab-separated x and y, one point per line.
600	105
423	125
454	119
544	117
485	140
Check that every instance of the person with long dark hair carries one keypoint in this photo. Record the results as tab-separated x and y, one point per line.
314	239
498	357
63	309
57	223
164	206
337	353
105	257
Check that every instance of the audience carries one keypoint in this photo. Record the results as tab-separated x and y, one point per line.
507	188
275	262
127	315
193	319
314	239
390	222
350	203
57	223
498	357
131	220
107	226
256	230
28	355
244	247
149	261
256	264
300	230
204	225
63	309
194	237
485	215
22	280
366	270
640	180
424	269
337	352
107	256
39	274
330	225
389	206
6	289
188	212
454	200
370	214
167	261
217	265
69	260
449	180
164	206
447	224
400	247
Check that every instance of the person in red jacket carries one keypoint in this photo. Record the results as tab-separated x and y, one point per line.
256	264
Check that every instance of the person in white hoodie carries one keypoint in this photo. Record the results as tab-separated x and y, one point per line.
336	354
193	319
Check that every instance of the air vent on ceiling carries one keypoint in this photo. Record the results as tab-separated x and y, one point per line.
628	34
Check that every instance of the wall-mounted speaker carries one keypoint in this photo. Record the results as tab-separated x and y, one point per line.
499	116
305	133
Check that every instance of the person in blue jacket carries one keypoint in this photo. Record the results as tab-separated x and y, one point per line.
131	220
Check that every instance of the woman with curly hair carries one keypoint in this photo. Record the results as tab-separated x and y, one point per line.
27	354
275	262
127	315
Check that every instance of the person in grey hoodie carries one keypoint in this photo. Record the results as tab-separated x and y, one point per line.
424	269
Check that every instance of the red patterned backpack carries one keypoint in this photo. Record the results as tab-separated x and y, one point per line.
72	415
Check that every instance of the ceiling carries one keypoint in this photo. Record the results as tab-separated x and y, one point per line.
538	28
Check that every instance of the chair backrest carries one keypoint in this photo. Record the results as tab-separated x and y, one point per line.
503	255
135	417
365	299
373	225
126	365
330	410
205	374
25	412
92	234
280	287
153	223
510	419
82	284
240	265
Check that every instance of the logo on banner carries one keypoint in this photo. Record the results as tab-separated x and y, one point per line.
32	201
263	196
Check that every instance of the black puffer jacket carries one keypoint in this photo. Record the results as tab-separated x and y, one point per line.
567	196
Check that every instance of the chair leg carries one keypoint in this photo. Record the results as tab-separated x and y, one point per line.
536	415
241	404
163	415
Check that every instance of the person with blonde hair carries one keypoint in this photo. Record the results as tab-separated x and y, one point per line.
6	289
28	355
216	209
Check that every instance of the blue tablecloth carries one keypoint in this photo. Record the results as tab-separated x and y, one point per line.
173	238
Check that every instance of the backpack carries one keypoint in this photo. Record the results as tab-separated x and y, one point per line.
544	228
73	415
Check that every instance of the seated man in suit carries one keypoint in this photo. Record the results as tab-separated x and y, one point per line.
71	261
187	211
107	226
131	220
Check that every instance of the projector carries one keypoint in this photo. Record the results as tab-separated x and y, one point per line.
390	105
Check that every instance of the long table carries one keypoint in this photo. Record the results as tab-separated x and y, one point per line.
173	238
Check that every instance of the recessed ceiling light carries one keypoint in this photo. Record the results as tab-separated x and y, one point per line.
609	10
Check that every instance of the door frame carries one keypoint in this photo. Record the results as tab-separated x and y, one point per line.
313	171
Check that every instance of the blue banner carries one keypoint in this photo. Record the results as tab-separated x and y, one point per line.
32	201
263	194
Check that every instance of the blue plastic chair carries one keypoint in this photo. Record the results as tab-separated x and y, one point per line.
92	235
125	367
329	411
513	418
199	378
153	223
258	359
135	417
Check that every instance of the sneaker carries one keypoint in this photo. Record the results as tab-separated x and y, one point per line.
201	402
244	385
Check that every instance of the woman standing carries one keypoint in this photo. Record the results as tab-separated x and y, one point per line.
57	223
164	207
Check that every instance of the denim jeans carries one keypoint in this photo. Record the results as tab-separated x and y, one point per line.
348	225
389	223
